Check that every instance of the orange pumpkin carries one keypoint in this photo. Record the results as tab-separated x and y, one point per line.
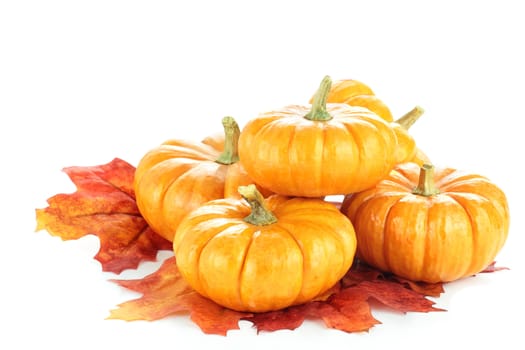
318	150
426	224
407	150
357	93
261	254
177	176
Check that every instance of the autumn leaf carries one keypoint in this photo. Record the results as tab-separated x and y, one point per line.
493	268
164	293
103	205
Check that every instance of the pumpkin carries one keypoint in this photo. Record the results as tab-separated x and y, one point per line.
318	150
357	93
256	254
407	150
429	224
178	175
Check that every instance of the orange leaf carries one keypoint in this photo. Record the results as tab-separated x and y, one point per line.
165	293
103	205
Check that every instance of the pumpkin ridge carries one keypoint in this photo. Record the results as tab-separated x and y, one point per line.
293	179
475	233
200	248
285	229
358	139
384	233
244	227
196	152
302	222
147	207
427	240
253	229
348	128
449	185
187	200
457	204
473	228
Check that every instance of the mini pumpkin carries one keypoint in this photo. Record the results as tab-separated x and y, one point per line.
356	93
427	224
318	150
407	150
256	254
179	175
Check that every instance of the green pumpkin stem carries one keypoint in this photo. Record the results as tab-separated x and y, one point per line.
318	111
260	215
230	154
426	185
407	120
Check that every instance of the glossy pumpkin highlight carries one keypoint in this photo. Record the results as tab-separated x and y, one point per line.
318	150
179	175
261	254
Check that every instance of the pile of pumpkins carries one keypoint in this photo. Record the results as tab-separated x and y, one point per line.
252	228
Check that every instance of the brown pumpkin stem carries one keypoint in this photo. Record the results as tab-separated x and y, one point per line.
260	215
318	111
407	120
426	185
230	154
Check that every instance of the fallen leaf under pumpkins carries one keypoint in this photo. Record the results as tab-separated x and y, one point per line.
104	205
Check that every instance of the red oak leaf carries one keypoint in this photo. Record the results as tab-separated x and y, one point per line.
103	205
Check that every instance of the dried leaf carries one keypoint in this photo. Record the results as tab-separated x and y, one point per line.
493	268
165	293
347	308
103	205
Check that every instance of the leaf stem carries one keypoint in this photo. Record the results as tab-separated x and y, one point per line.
230	154
260	214
318	111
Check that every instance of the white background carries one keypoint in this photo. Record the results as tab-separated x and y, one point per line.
82	82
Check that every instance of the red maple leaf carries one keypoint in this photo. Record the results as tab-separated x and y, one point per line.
103	205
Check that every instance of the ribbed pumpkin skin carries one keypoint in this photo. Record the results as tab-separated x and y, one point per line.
178	176
439	238
254	268
291	155
356	93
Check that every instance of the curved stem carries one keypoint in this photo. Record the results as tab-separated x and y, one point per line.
426	185
260	215
318	111
407	120
232	132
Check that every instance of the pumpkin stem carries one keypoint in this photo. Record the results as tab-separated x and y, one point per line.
230	154
426	186
407	120
260	215
318	111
